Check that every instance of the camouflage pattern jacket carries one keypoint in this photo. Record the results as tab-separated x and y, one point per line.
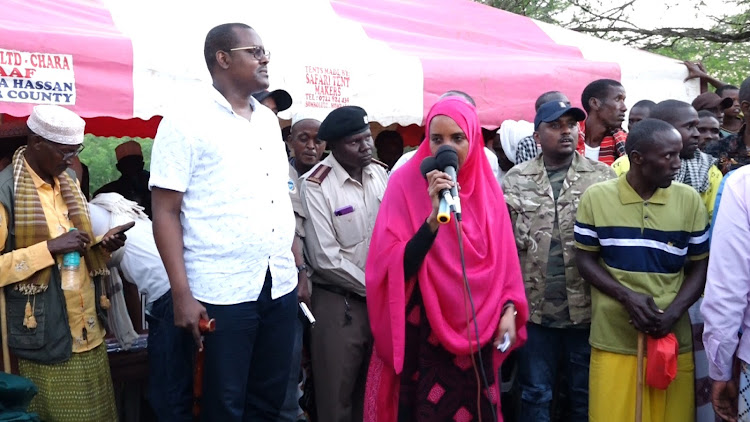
532	210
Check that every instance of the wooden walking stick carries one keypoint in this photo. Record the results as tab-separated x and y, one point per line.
639	378
4	332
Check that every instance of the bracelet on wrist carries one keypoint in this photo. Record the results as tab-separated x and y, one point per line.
301	268
507	306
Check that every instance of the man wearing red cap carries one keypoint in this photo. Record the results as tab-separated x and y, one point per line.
133	184
713	103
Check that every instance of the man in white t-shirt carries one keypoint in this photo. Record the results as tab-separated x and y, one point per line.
224	227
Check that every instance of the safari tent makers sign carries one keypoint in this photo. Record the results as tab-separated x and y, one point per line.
326	87
38	78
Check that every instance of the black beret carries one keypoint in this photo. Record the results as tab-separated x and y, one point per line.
343	122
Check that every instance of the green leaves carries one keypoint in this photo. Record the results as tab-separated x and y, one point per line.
723	45
99	156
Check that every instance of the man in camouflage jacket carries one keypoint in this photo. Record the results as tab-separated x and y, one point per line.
542	197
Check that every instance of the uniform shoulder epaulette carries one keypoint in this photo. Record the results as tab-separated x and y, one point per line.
320	174
380	163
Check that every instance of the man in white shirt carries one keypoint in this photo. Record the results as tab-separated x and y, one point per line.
224	226
170	348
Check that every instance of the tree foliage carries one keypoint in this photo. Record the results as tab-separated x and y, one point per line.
724	47
99	157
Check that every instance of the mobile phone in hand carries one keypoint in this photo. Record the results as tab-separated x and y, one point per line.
503	347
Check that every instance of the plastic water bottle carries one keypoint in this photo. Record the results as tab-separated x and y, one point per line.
70	266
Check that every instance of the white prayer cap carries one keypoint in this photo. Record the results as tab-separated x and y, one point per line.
56	124
309	113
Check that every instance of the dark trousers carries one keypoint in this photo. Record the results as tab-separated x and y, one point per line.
341	345
170	364
247	358
291	410
546	351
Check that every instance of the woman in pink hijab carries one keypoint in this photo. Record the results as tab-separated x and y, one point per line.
426	363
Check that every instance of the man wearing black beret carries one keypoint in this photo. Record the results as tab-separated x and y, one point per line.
341	196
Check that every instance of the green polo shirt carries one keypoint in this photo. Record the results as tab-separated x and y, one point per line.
644	246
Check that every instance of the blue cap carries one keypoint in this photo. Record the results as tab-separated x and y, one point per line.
551	111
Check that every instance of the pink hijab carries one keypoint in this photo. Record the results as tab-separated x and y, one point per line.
492	265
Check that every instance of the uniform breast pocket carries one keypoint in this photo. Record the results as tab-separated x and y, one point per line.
526	225
349	226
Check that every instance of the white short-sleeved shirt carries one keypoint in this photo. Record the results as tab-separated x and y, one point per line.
139	259
237	218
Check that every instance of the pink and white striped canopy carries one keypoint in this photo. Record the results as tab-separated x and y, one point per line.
134	59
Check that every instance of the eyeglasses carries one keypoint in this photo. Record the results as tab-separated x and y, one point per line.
68	155
257	51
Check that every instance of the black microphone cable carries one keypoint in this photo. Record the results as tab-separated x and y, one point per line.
476	325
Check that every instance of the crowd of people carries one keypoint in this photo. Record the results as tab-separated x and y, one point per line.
345	288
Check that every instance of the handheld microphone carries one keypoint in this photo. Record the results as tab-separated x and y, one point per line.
446	200
446	159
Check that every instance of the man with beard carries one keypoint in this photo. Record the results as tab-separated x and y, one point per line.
601	137
527	148
697	168
642	243
341	196
224	227
56	322
542	197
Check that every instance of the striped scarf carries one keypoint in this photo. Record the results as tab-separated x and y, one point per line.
611	148
31	224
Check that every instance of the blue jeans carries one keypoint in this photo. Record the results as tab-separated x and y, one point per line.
247	358
291	410
546	351
170	360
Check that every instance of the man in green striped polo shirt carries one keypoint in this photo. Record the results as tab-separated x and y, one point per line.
643	245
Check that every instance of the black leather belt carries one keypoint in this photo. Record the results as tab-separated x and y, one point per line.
340	291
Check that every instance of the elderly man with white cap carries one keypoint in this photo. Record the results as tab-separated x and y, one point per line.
56	333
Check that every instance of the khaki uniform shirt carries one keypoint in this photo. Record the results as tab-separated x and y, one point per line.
341	214
299	210
532	210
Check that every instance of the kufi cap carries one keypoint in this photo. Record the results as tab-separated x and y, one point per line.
56	124
711	100
309	114
342	122
551	111
127	149
282	98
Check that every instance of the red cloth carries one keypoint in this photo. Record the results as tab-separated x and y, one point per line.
492	264
611	148
661	366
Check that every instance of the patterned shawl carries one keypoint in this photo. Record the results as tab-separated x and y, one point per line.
31	224
694	171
